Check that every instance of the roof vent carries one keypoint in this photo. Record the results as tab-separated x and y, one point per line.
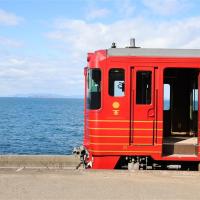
132	43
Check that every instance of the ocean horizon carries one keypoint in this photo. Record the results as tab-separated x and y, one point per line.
40	125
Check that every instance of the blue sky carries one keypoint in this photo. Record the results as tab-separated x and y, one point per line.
44	43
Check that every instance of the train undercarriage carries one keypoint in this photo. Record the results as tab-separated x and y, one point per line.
133	162
147	163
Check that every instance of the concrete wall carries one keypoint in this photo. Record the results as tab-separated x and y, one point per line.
39	161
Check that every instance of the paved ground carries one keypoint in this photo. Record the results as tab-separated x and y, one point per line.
88	184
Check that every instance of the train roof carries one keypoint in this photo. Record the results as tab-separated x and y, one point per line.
150	52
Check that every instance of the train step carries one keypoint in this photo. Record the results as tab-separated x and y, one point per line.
180	145
186	149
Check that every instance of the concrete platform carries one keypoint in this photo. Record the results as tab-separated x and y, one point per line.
89	184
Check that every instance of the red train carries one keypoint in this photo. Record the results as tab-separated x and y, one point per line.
141	108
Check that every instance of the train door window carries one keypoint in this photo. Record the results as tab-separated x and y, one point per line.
195	99
143	87
166	96
116	82
94	89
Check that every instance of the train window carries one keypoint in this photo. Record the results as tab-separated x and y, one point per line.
116	82
94	89
143	87
166	96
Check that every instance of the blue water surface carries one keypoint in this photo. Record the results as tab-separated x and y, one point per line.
40	125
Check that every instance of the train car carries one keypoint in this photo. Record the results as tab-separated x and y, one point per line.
142	108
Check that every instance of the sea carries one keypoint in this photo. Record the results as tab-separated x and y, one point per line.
40	125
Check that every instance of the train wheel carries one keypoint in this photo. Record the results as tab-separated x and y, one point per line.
136	166
133	166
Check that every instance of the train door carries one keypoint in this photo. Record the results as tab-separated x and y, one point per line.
143	112
180	111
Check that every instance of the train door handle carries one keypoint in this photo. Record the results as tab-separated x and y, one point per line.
151	113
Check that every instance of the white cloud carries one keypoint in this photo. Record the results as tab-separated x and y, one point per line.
94	13
167	7
9	19
125	8
16	61
7	42
26	75
82	37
